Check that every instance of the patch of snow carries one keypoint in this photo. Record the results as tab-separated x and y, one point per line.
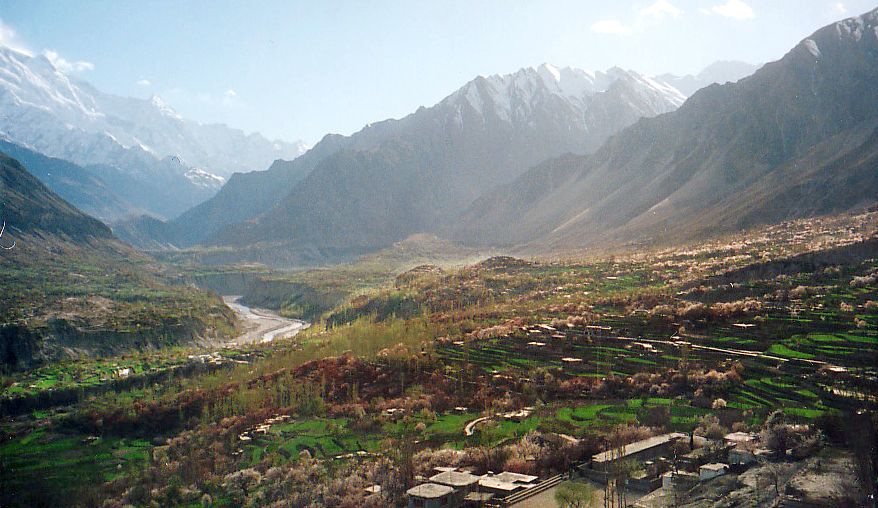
812	48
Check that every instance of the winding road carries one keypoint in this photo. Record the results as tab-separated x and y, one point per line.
260	325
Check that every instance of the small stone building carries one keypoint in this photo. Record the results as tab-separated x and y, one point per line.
431	495
710	471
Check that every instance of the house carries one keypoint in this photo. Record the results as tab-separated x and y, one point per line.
741	456
453	488
710	471
477	499
505	483
462	482
431	495
712	452
646	449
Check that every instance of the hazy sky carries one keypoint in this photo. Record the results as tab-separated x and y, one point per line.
298	70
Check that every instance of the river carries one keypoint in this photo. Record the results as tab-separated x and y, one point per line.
261	325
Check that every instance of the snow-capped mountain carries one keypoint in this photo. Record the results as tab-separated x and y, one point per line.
396	177
514	97
66	117
797	138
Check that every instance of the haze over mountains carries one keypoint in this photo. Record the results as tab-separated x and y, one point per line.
717	72
798	138
137	146
354	194
546	157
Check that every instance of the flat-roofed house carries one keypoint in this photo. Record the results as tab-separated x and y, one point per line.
646	449
462	482
505	483
431	495
709	471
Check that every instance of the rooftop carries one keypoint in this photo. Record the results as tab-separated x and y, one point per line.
716	466
429	490
637	447
493	483
454	478
508	476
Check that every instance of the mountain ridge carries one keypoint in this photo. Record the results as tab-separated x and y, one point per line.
655	179
479	136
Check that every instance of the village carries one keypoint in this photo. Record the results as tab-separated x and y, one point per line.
664	470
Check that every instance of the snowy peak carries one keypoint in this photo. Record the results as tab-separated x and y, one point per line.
34	81
65	117
163	107
833	42
202	178
858	26
514	97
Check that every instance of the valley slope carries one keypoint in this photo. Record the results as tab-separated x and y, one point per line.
71	289
796	139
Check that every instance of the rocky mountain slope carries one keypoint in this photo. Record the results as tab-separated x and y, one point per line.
796	138
399	177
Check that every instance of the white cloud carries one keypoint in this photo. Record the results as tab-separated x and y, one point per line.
611	26
660	9
231	93
841	8
9	39
67	66
143	82
735	9
644	18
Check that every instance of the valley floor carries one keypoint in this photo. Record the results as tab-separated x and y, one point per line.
261	325
503	365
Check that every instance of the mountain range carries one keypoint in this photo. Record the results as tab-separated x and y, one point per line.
350	195
546	158
797	138
133	144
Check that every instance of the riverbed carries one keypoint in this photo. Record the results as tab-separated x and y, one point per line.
262	325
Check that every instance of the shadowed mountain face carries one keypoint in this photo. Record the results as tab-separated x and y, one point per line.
73	183
29	207
398	177
795	139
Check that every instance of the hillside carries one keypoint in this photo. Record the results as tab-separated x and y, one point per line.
75	184
71	289
795	139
